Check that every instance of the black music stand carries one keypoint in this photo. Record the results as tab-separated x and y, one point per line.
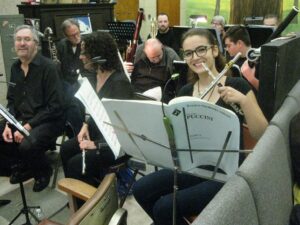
26	210
122	32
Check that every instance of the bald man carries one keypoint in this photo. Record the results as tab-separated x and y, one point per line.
153	66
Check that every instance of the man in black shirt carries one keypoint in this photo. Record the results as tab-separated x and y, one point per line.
35	101
69	51
165	33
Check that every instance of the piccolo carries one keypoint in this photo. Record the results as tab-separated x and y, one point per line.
220	75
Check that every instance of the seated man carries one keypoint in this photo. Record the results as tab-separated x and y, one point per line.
237	39
164	32
218	22
153	67
68	50
36	102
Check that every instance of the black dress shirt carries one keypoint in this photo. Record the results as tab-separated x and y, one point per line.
36	98
70	61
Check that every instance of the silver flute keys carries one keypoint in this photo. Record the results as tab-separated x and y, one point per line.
83	161
235	107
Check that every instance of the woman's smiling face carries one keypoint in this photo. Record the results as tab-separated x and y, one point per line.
198	50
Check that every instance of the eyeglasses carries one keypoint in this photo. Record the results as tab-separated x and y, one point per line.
200	51
25	39
75	35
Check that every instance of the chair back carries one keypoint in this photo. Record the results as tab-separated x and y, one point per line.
99	209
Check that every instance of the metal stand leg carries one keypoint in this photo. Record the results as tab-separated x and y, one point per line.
25	210
175	187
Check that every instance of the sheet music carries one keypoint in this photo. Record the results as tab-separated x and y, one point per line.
155	92
145	138
203	125
90	100
197	125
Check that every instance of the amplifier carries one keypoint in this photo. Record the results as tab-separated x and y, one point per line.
278	72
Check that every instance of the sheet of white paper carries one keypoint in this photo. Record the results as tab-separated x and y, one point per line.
154	93
92	103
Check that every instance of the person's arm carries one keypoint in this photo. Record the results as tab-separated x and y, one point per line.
254	117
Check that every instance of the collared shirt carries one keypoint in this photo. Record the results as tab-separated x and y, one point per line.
36	98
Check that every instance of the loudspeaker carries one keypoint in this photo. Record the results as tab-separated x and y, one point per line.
278	73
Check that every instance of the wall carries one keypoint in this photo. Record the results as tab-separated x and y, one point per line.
149	7
8	7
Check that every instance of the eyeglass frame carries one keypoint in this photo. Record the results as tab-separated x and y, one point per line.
206	48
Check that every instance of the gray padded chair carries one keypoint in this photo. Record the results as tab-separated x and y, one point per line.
267	172
233	205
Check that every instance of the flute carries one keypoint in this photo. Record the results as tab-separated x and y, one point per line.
83	161
218	77
235	107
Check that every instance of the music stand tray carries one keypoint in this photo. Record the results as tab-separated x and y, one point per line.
122	31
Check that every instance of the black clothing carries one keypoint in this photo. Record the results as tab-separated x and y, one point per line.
295	147
70	61
69	64
97	161
36	99
168	39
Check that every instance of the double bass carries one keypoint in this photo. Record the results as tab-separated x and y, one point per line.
132	47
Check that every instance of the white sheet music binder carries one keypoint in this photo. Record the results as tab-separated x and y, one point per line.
93	105
197	125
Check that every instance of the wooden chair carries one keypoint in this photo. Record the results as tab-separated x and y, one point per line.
101	203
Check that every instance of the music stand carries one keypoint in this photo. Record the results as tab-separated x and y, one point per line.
26	210
122	32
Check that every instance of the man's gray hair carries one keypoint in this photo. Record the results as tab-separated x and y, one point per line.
67	23
34	32
219	19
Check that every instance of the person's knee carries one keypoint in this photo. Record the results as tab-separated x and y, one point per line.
162	209
26	147
142	189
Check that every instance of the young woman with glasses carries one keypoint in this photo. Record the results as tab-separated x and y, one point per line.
154	192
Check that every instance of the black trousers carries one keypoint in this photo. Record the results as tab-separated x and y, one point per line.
97	162
31	151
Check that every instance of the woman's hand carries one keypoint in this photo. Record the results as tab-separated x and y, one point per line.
84	133
87	145
231	95
254	117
